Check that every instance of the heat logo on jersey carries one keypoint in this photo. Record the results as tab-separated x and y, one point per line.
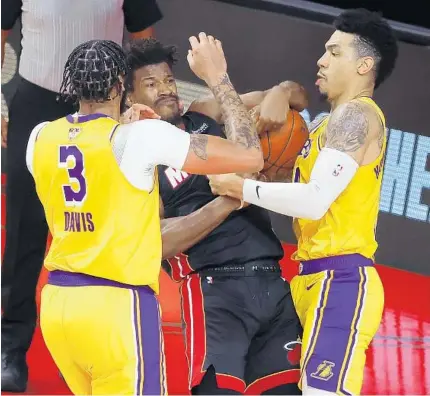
294	351
176	177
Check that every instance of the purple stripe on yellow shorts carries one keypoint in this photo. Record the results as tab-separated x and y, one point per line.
328	362
150	371
322	302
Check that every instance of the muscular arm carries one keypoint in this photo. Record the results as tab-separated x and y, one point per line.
348	130
289	91
346	141
181	233
238	124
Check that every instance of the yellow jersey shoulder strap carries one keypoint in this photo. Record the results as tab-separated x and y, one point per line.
372	103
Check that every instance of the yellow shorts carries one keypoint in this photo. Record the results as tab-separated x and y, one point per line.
340	311
105	339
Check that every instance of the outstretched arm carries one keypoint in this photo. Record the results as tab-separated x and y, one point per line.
346	143
286	94
181	233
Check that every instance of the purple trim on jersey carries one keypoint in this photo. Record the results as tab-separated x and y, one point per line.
113	132
84	118
334	263
64	278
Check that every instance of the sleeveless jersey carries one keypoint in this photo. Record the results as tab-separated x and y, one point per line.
245	236
101	224
349	225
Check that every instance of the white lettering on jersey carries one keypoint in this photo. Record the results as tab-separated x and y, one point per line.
176	177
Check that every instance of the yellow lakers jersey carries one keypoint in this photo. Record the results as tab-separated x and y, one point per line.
101	224
349	225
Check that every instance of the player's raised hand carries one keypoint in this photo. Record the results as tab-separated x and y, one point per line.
138	112
206	58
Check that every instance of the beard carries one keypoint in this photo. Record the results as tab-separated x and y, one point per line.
322	96
174	119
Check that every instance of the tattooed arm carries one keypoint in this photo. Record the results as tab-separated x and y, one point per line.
238	124
356	129
157	142
350	132
207	61
289	93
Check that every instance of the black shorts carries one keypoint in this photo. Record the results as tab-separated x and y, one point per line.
245	327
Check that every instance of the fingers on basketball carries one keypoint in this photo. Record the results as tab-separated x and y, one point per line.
281	146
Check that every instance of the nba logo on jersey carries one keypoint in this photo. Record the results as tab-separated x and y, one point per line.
337	170
324	371
73	132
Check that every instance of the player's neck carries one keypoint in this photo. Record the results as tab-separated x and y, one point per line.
351	94
103	108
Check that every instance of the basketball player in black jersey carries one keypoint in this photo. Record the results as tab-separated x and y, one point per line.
241	328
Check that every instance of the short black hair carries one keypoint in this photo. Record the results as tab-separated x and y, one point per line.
374	37
145	52
92	70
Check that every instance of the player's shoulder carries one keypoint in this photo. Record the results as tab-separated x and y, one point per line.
352	114
38	128
198	123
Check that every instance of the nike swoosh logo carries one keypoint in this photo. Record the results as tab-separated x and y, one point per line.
256	191
311	286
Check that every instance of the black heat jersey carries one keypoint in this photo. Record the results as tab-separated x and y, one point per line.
245	236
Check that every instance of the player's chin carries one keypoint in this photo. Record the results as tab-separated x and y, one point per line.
169	114
324	95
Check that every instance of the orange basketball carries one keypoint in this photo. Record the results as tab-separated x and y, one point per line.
282	146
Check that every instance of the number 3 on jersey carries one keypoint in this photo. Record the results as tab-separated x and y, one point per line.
72	159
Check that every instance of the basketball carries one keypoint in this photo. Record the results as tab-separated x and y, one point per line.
282	146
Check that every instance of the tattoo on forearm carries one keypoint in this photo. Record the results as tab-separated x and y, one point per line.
238	123
348	130
199	145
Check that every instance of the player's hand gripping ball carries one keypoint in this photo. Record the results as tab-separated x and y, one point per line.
281	146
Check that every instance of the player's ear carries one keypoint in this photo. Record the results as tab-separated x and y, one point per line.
121	85
365	65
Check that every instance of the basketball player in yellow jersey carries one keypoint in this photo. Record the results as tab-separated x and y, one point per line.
334	201
97	182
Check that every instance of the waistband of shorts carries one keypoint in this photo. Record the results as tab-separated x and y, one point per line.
257	268
75	279
345	261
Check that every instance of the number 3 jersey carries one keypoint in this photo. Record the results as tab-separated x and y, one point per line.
103	220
